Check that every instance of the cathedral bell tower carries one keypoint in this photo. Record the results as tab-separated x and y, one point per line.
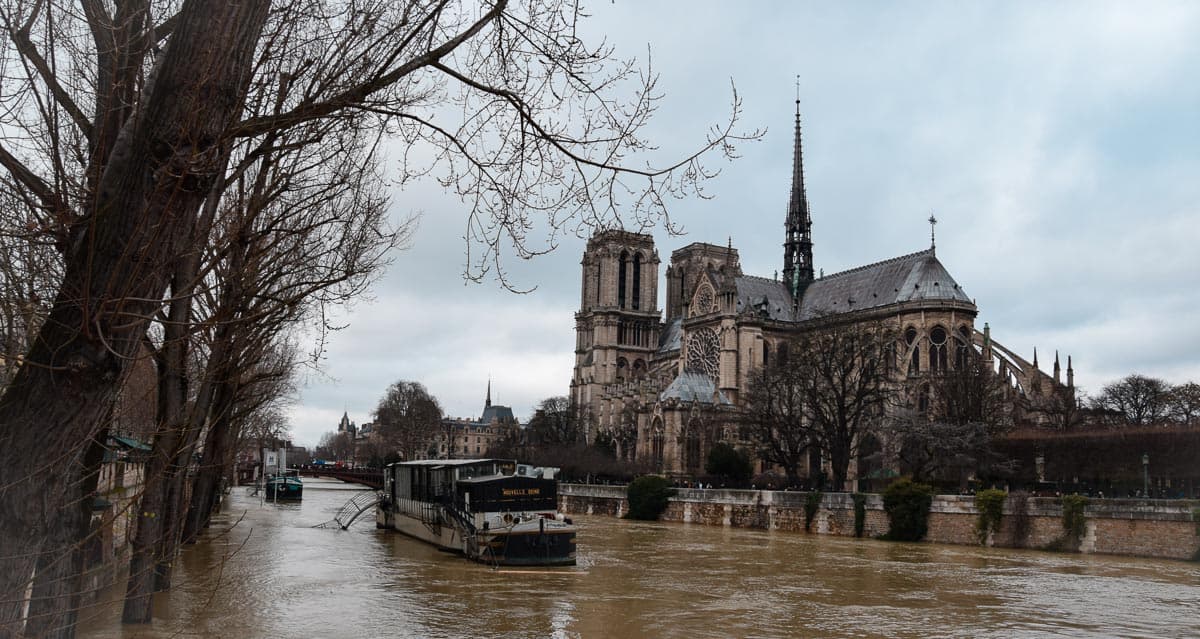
618	323
797	245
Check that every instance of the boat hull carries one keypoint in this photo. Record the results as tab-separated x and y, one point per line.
533	542
527	549
280	491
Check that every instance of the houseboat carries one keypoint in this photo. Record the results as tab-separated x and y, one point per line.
493	511
285	486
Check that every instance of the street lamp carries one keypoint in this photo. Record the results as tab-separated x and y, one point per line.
1146	475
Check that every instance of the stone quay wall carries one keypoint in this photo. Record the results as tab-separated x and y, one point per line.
1144	528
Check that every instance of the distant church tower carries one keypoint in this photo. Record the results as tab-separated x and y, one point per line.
618	323
797	247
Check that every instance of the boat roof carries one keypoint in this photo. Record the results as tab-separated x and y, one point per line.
451	462
483	479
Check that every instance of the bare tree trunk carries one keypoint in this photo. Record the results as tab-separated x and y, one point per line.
159	172
156	540
173	514
58	586
208	477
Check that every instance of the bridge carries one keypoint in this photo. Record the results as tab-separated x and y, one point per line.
371	478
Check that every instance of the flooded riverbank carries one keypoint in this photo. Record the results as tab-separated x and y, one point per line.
264	571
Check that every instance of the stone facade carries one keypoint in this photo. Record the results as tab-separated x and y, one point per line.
664	387
472	438
1163	529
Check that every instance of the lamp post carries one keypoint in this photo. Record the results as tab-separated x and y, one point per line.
1146	475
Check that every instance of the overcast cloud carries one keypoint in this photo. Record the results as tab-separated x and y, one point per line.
1058	145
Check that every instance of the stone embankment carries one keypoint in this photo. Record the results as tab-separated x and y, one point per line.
1138	527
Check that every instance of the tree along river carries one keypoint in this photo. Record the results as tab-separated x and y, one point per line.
262	570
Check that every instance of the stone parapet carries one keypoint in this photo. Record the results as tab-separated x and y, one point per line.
1145	528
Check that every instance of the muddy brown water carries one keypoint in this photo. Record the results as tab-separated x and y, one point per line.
264	571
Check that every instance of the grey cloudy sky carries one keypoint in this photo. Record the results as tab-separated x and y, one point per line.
1057	143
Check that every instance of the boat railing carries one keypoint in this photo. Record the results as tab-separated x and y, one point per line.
459	516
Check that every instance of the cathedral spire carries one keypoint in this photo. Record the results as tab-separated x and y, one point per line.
797	246
487	403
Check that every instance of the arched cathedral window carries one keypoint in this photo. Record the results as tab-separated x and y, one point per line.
910	340
962	348
637	281
937	349
621	279
682	287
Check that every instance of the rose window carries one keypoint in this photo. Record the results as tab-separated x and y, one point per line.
703	302
704	352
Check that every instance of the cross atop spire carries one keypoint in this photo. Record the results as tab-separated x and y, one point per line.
932	226
797	246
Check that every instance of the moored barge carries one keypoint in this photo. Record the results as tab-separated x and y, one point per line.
284	486
493	511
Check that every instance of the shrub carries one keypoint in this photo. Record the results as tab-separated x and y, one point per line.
726	461
907	505
1073	522
812	502
648	496
991	510
860	513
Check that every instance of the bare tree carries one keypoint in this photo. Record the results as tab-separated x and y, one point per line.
127	112
774	417
408	419
949	433
29	269
1185	403
844	384
119	221
1064	410
554	423
335	447
1139	399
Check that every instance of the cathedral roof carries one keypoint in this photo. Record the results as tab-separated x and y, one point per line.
497	413
690	386
671	337
765	295
913	277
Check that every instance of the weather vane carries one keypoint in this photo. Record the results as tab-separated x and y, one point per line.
932	224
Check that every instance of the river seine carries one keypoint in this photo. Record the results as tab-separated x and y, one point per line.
264	571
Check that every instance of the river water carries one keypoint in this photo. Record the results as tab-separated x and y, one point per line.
264	571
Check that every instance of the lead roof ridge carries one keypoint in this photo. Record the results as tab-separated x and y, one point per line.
891	260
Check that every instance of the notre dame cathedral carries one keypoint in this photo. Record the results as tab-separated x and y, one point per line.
665	387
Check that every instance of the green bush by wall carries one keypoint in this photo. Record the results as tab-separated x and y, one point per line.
907	506
648	496
990	504
1074	523
860	513
812	502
